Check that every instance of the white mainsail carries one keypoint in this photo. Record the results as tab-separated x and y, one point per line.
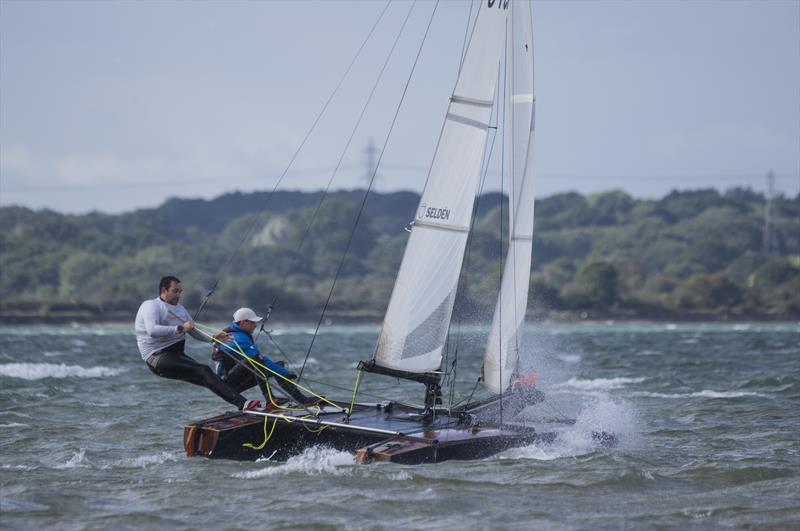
417	319
502	350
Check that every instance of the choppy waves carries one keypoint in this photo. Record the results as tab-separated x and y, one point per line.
149	460
601	384
327	462
39	371
706	430
705	393
593	386
313	462
601	415
78	460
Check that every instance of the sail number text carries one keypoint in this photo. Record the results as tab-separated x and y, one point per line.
501	4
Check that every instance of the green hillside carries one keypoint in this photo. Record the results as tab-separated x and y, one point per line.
690	255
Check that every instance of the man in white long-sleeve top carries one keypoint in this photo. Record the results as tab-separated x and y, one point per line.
161	328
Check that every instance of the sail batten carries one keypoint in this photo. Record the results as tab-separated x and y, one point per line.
467	121
418	316
469	101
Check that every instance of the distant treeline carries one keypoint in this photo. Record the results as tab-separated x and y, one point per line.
691	255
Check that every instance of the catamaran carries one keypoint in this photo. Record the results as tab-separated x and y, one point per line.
415	328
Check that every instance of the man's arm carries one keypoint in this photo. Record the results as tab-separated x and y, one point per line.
271	365
234	344
151	325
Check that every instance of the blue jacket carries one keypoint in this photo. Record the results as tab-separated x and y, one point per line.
241	341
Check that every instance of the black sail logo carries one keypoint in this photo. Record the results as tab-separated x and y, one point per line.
433	213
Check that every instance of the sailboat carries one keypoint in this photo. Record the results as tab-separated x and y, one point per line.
415	328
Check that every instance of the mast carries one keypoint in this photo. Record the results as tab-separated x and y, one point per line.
502	350
418	316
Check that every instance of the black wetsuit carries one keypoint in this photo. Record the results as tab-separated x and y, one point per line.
173	363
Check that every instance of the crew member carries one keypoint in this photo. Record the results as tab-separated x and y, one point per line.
238	372
161	328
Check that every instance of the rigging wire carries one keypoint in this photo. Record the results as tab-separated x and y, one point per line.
348	389
252	226
335	172
559	413
468	398
371	182
337	167
345	149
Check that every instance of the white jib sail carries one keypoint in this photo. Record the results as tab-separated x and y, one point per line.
502	350
415	327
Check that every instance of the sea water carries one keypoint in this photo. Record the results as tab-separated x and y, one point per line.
707	417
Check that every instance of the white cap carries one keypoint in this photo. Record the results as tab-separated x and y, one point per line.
246	314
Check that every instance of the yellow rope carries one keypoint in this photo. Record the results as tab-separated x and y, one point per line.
257	366
279	406
266	437
314	431
355	390
198	327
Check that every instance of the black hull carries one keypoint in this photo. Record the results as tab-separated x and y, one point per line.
374	432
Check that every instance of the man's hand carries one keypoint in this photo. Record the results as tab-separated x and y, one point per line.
222	337
185	327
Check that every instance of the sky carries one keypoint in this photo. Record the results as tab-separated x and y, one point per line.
118	105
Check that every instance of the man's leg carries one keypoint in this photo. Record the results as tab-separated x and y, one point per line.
293	391
240	379
179	366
